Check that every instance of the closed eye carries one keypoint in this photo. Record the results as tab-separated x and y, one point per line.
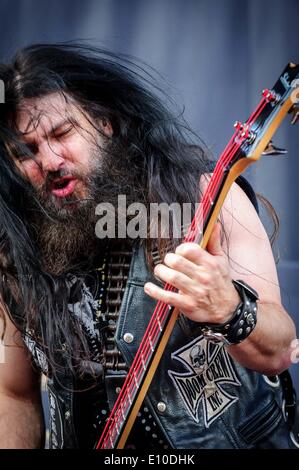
64	132
32	147
27	151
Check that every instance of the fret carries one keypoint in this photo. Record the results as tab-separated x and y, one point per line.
151	343
129	396
116	425
143	361
136	380
122	411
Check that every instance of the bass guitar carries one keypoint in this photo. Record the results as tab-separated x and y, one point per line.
250	141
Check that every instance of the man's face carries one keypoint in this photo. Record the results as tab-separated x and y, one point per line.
65	148
67	171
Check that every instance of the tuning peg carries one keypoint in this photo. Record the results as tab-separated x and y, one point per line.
271	96
295	117
271	149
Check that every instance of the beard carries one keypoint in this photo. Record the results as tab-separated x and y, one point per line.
63	229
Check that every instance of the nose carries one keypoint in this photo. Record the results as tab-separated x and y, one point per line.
50	160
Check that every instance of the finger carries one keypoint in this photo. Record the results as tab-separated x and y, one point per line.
194	253
175	299
176	279
195	272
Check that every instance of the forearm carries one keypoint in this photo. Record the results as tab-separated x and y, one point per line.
268	348
21	424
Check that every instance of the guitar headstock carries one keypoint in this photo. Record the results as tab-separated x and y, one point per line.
254	136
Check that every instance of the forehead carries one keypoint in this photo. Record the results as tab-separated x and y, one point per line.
44	112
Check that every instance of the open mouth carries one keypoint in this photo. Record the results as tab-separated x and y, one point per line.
62	187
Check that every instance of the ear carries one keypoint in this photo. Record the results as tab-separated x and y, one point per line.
106	127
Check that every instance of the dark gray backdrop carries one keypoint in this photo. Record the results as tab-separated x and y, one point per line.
216	54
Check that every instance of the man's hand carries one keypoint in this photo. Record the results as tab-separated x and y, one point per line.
206	293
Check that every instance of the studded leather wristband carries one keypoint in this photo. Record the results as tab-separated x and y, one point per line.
243	321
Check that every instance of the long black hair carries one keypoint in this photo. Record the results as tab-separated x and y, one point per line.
147	135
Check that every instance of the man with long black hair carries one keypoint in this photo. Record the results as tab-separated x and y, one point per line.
80	127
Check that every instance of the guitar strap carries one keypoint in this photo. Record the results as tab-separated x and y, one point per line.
116	274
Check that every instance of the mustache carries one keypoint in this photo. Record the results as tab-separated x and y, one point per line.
43	192
56	175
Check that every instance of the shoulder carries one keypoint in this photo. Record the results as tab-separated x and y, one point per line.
240	215
246	243
240	201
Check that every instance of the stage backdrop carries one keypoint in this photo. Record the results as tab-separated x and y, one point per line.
217	55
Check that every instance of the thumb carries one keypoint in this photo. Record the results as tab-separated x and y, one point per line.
214	244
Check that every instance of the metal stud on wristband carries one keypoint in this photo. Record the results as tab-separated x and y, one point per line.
243	321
